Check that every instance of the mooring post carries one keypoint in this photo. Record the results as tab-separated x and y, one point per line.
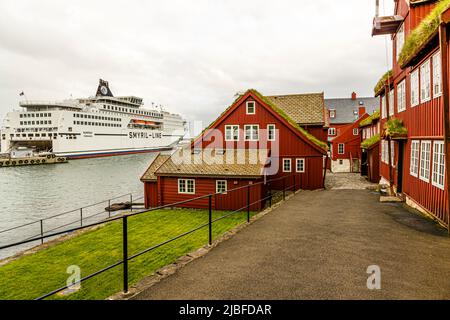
125	254
131	201
109	208
81	216
42	231
248	203
210	218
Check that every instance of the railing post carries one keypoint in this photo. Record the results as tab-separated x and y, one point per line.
210	218
131	201
42	231
248	203
81	216
284	188
125	254
109	208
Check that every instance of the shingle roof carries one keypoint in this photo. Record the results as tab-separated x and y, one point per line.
149	174
209	162
304	109
346	108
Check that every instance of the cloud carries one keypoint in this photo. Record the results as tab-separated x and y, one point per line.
192	57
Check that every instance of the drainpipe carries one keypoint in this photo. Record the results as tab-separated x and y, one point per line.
443	39
391	176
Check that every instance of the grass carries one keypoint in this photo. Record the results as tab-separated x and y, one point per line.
422	33
394	128
35	275
369	120
380	84
366	144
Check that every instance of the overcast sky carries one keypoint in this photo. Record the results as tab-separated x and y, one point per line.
190	56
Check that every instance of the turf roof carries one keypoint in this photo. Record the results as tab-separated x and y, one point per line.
369	120
366	144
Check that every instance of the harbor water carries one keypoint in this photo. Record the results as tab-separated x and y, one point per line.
31	193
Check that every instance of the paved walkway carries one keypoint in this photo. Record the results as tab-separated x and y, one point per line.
345	181
318	245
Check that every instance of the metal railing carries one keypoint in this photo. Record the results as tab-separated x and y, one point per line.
83	215
269	195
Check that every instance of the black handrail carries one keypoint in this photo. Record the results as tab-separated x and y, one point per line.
125	217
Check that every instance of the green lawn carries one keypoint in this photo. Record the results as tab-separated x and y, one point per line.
37	274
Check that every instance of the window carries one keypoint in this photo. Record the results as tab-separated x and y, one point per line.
383	107
401	96
300	165
437	75
232	133
385	151
186	186
221	186
391	102
438	165
271	132
425	155
332	113
286	165
415	88
392	153
250	107
414	165
425	82
252	132
341	162
331	131
400	40
355	131
341	148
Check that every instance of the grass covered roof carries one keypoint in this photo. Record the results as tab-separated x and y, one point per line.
394	128
366	144
422	33
368	121
380	84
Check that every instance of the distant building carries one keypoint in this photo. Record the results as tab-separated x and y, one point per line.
343	134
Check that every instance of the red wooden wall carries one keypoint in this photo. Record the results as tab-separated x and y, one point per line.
352	142
150	194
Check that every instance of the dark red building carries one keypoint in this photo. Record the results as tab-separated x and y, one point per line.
414	105
287	152
370	147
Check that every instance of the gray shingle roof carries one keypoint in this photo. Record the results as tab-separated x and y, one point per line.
345	108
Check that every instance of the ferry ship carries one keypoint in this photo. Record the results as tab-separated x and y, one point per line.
103	125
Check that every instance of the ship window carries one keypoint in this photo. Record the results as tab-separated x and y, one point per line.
21	115
21	123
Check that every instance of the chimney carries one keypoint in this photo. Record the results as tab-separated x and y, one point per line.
361	109
353	95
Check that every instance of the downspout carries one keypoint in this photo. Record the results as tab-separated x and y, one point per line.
391	178
443	39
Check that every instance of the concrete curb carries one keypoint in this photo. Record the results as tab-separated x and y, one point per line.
172	268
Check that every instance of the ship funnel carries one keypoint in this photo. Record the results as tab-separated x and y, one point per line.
103	89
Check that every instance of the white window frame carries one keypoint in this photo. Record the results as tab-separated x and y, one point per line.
425	160
332	113
297	162
437	75
414	159
343	148
331	131
231	127
254	107
391	103
355	131
252	132
383	107
400	40
438	165
414	88
401	96
271	127
392	153
425	81
287	160
225	185
184	182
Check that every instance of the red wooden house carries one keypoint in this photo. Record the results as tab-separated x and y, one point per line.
370	147
253	123
414	105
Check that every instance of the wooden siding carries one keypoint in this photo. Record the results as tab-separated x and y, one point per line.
352	143
232	200
150	194
373	159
